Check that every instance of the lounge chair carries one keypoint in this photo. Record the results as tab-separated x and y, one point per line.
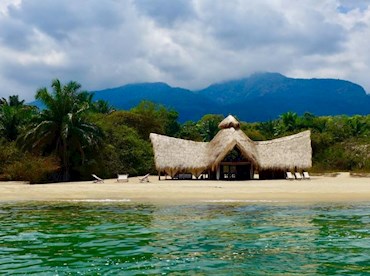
97	179
306	176
298	176
289	176
122	177
145	178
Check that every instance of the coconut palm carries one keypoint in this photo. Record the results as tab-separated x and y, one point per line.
14	115
288	122
268	129
62	127
208	126
12	101
101	106
9	121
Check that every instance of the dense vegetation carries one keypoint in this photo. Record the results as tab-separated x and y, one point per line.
74	136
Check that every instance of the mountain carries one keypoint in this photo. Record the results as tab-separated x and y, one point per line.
256	85
191	106
265	96
259	97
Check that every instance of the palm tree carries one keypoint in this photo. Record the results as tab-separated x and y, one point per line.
62	127
208	126
13	101
101	106
268	129
357	125
14	115
288	122
9	121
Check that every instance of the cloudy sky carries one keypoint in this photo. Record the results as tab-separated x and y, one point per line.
187	43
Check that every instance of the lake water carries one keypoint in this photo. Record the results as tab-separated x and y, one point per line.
86	238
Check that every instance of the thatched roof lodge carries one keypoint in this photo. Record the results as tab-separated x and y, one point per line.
232	154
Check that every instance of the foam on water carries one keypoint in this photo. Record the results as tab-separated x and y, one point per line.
96	200
241	201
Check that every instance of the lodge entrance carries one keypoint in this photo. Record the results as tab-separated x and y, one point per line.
235	170
235	167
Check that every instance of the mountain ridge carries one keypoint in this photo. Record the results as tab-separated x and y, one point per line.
259	97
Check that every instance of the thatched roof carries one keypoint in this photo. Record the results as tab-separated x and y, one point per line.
225	141
173	155
229	122
287	152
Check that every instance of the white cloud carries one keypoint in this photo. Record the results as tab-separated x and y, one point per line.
188	43
6	4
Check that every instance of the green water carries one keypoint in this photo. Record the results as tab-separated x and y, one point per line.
204	239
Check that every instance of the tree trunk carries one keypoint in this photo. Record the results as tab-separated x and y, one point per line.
66	176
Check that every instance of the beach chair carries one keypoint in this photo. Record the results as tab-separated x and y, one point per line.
289	176
298	176
97	179
306	176
145	178
122	177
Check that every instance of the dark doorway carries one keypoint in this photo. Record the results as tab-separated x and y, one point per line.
235	171
235	166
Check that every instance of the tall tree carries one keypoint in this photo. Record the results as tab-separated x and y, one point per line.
268	129
14	115
288	122
190	131
12	101
62	127
123	150
208	126
155	118
102	106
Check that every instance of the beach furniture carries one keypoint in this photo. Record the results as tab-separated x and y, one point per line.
289	176
298	176
122	177
97	179
145	178
306	175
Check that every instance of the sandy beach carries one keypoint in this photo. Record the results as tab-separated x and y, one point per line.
319	189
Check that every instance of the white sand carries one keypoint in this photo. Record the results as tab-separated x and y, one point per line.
318	189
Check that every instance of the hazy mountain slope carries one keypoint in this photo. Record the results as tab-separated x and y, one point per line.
266	96
260	97
189	105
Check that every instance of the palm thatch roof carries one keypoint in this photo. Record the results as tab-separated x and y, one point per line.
286	152
229	122
173	155
225	140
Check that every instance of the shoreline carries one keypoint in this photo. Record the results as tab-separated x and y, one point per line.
342	188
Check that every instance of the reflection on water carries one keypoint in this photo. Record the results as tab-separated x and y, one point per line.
206	239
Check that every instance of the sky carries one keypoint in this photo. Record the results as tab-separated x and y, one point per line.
185	43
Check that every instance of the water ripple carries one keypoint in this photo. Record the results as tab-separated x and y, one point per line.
94	238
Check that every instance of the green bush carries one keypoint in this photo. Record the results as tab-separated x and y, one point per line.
9	153
124	151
